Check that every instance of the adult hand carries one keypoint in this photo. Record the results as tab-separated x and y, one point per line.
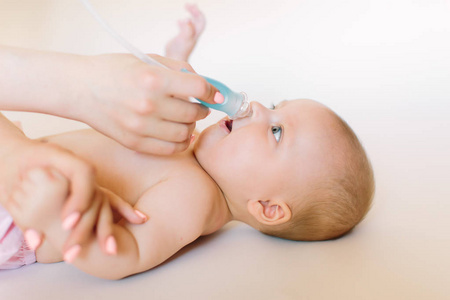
20	154
38	200
143	107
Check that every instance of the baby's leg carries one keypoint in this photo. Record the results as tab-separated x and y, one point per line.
181	46
39	201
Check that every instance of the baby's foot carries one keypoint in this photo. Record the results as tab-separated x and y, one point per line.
40	198
181	46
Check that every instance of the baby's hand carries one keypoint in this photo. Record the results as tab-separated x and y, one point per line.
37	202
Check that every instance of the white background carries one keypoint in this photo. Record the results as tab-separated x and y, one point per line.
383	65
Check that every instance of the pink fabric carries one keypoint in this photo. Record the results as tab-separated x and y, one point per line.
14	251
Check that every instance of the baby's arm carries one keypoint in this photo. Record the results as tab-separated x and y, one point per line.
36	204
138	247
174	222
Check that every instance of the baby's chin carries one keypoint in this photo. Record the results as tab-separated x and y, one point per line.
199	144
207	142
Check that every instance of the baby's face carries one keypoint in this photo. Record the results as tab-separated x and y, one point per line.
272	153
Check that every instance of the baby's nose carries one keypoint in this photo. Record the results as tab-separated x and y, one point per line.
258	109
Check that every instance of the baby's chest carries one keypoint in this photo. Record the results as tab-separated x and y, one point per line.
132	174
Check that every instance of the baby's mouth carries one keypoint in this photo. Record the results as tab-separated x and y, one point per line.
229	124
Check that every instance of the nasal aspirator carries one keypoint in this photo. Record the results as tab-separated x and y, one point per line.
235	105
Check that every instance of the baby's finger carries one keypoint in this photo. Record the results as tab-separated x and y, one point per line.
32	237
105	225
12	204
3	193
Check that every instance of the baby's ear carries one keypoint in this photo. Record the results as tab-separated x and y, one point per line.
269	212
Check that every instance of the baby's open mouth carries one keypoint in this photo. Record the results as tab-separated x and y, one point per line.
229	124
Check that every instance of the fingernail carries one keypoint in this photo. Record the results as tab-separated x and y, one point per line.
72	253
192	139
111	245
33	239
70	221
218	98
140	214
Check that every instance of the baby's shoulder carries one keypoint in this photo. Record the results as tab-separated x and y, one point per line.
195	184
197	196
189	190
204	199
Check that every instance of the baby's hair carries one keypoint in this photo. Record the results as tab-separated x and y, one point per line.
336	202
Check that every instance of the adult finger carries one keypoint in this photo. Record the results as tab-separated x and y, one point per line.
125	209
173	130
196	86
181	111
33	238
105	225
172	64
164	130
81	177
151	145
84	229
183	85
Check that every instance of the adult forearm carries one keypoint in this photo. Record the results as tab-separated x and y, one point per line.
39	81
9	131
11	137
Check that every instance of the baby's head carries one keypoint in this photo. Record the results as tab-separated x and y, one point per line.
296	171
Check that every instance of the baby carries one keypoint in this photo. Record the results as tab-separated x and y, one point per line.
296	171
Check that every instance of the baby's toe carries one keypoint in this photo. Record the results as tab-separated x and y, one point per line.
198	19
187	29
193	9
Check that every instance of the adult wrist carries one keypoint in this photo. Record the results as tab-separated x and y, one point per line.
81	101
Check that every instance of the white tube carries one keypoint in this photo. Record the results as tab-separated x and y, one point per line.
136	52
236	105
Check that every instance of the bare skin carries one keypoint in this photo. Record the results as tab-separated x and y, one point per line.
153	184
55	186
144	108
182	45
184	195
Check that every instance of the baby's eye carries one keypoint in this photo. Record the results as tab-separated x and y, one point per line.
277	131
